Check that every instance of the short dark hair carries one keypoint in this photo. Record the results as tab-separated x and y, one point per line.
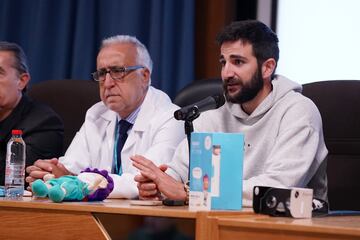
19	56
263	40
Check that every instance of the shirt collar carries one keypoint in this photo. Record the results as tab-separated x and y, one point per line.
132	117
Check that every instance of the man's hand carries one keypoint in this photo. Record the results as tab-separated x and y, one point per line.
154	180
42	167
147	188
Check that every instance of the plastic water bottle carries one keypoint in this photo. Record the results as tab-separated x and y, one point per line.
15	166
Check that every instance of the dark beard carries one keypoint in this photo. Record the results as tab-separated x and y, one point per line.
248	90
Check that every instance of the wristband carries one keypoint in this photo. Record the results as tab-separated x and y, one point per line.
187	190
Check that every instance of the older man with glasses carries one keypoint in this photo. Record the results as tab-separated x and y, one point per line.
133	118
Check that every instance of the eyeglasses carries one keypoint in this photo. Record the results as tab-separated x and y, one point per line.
115	72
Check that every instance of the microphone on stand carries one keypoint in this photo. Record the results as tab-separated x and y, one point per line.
188	114
194	110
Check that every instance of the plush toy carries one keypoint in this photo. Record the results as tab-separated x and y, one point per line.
89	185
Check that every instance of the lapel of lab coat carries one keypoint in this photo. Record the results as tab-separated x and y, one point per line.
109	139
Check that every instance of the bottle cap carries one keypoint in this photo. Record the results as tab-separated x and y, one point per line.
16	132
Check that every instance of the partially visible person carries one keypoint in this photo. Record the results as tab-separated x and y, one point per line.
284	142
123	71
42	128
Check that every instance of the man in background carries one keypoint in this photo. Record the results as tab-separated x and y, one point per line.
133	118
42	128
284	142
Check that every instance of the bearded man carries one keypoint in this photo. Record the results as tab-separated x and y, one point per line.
284	142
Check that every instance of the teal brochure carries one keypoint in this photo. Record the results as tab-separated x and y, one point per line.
216	171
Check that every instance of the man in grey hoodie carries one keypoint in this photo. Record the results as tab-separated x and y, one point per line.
284	143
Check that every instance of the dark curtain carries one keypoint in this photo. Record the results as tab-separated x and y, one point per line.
61	38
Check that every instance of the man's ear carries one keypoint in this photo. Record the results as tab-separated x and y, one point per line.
23	81
268	67
145	72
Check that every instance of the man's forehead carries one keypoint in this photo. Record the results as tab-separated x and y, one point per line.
238	47
7	57
7	54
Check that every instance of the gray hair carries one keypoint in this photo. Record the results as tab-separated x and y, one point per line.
143	56
19	56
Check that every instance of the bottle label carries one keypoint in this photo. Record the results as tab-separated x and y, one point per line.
15	175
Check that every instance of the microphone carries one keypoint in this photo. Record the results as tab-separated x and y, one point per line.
193	111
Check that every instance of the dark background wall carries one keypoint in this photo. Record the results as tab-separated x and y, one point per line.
61	38
210	17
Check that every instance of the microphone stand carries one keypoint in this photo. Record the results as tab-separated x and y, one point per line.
189	128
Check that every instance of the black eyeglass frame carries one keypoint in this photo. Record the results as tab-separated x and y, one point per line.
121	70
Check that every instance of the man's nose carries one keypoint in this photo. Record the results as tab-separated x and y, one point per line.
108	81
227	71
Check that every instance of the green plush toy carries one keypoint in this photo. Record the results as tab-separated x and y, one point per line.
89	185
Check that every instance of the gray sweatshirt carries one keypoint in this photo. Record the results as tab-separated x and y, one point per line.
284	142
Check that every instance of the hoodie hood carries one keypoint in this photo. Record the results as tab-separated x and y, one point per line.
281	86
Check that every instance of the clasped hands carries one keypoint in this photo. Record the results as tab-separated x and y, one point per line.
42	167
153	182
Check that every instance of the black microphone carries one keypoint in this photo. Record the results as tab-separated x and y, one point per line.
194	110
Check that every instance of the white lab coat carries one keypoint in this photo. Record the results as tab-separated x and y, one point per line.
155	135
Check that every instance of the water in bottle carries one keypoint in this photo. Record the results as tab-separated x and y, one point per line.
15	166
